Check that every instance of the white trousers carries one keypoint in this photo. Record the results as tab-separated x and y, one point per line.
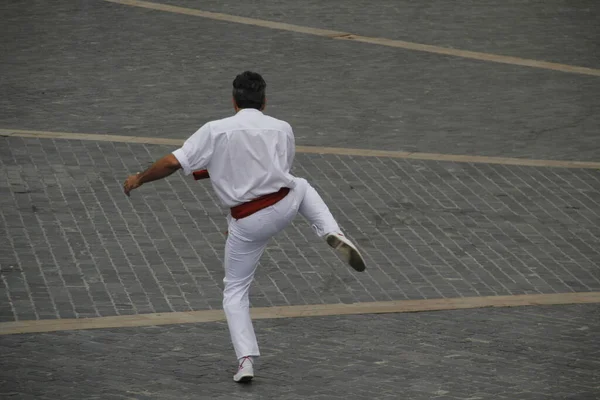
246	242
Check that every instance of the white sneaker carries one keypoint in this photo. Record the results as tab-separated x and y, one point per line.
346	250
245	371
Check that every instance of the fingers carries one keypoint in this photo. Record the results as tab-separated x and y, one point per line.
130	183
127	187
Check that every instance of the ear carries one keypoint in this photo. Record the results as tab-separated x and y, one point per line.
264	104
235	106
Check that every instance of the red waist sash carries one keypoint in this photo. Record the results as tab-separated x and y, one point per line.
246	209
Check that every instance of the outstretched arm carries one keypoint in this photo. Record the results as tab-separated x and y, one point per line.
160	169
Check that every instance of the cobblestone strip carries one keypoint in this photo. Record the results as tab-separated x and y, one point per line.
35	233
428	229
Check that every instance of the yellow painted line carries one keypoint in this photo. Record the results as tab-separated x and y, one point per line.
316	150
317	310
365	39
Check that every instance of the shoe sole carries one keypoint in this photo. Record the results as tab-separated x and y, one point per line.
245	379
348	253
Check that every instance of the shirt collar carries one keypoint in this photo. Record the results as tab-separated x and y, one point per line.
249	110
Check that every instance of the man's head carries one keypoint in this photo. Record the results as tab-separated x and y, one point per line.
249	91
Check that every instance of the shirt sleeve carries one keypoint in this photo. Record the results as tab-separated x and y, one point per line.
197	151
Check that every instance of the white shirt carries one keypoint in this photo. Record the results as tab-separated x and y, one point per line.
247	155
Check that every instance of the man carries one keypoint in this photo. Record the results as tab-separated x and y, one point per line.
248	157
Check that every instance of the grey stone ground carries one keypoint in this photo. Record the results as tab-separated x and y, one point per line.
507	27
72	246
92	66
525	353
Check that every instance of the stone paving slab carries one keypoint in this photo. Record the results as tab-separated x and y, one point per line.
530	353
74	246
512	27
98	67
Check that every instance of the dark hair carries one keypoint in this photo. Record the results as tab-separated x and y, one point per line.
249	90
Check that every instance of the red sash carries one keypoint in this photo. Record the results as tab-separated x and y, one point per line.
246	209
201	174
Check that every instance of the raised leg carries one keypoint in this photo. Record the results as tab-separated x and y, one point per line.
314	209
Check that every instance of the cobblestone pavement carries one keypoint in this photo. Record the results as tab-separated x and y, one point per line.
522	353
77	247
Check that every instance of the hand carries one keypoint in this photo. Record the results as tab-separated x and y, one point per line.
132	182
